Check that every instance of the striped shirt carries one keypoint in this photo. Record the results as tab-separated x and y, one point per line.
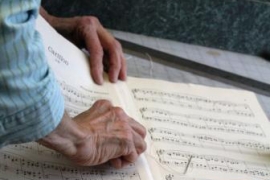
31	104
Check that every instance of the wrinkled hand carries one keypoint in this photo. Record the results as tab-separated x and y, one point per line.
87	32
114	135
105	133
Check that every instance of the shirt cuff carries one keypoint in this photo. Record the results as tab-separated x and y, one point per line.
36	121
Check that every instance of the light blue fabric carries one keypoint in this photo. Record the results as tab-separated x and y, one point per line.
31	104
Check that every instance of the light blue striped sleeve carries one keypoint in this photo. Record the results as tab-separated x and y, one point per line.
31	104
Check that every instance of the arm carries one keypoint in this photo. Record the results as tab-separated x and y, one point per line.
103	133
31	104
89	33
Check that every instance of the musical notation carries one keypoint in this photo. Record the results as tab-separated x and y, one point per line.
207	141
177	160
35	149
169	177
192	102
201	122
81	97
198	130
74	111
15	166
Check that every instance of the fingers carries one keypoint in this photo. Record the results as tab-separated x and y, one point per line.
138	128
118	114
117	62
116	163
139	144
123	70
135	147
88	31
119	163
130	133
139	147
97	39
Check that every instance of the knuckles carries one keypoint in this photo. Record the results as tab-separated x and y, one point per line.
123	126
144	132
119	113
142	148
102	102
114	45
89	20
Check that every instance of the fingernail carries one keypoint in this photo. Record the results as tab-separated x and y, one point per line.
113	78
98	80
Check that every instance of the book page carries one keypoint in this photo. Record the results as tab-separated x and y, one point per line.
35	162
197	132
71	68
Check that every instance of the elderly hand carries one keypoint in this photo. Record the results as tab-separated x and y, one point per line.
101	134
87	32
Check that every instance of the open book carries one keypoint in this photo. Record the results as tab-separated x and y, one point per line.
193	132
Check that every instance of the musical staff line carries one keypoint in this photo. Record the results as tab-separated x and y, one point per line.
192	102
208	141
178	160
80	98
23	168
201	122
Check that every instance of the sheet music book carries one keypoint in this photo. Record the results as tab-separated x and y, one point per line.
193	132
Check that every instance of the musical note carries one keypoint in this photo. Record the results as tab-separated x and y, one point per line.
169	177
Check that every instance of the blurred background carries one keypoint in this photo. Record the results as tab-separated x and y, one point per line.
236	25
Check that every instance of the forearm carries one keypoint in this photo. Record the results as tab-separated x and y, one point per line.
65	138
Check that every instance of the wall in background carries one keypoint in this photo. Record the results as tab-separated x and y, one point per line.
236	25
